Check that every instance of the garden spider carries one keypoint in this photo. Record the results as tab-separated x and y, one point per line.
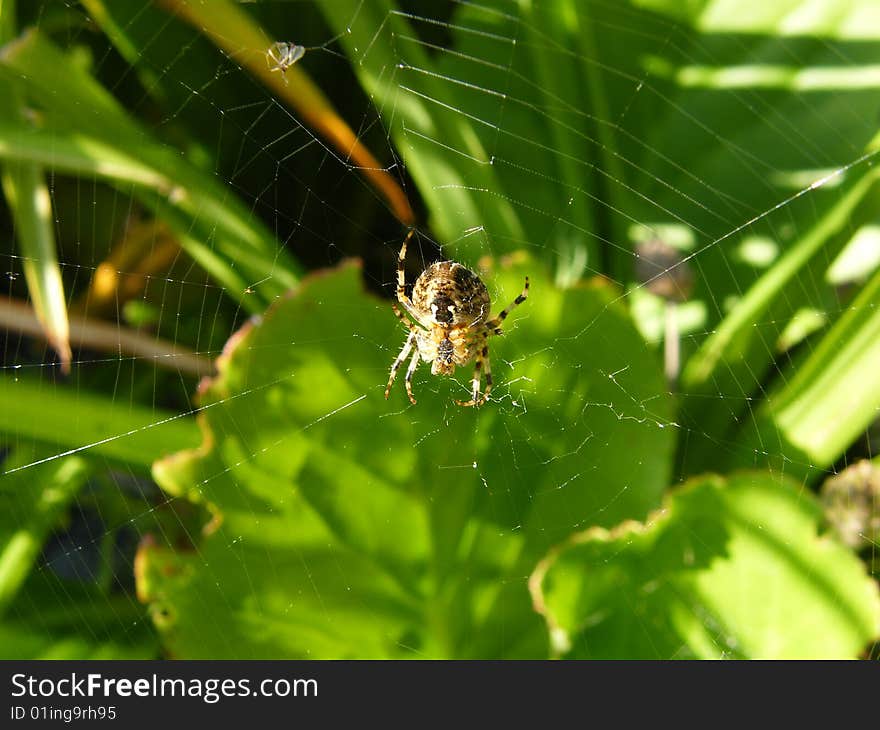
450	306
281	56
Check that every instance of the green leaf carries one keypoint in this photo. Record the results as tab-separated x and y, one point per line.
95	135
736	357
245	41
728	568
79	154
7	20
31	503
95	619
826	401
346	525
28	198
118	32
21	641
86	624
76	421
444	149
741	107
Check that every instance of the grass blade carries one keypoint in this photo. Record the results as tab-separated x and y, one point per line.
732	362
213	225
31	507
443	152
245	41
77	421
28	198
831	398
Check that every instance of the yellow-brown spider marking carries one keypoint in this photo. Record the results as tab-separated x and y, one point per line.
450	308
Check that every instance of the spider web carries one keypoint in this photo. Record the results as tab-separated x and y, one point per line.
723	230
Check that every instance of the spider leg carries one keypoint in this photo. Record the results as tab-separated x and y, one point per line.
401	279
495	324
402	317
482	365
488	371
409	373
404	352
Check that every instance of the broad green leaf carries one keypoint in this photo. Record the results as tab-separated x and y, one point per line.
78	422
346	525
97	136
728	568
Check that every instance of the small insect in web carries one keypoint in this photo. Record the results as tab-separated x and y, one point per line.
281	56
451	307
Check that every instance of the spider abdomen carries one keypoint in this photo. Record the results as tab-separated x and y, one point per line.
451	295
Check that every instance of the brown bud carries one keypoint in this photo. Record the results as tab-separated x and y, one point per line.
663	270
851	501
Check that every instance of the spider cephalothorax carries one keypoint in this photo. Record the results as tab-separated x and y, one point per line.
450	306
